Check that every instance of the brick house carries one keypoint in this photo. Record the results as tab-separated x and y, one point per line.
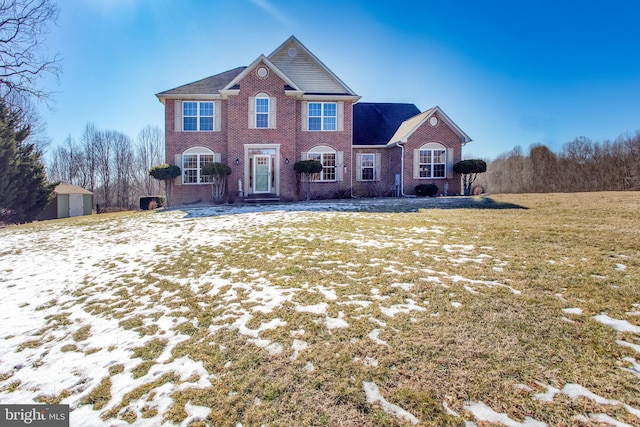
289	106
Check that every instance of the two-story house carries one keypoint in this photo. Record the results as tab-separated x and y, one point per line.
289	106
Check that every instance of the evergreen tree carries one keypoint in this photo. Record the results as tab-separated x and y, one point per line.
167	173
307	169
24	188
470	169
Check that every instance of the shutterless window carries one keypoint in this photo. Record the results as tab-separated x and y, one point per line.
432	163
262	113
322	115
367	162
197	116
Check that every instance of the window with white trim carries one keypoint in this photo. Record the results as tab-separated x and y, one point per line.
322	116
328	160
432	162
197	116
367	167
262	112
193	161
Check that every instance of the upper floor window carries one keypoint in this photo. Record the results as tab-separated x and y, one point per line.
197	116
432	161
262	112
322	116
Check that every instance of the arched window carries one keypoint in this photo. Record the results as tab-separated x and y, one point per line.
430	161
193	160
331	162
262	111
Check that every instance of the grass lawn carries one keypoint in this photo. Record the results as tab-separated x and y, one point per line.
516	310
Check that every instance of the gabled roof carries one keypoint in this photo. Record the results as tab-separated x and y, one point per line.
264	60
301	71
70	189
306	70
207	86
410	125
376	123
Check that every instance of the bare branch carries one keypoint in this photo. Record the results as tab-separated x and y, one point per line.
24	57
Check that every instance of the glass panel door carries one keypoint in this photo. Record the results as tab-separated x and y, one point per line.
261	174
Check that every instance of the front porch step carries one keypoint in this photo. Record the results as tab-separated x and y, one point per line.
262	198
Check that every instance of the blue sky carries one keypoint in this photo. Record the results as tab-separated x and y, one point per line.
507	72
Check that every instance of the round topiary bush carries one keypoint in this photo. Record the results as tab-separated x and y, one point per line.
426	190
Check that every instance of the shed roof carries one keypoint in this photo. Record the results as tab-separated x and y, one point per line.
376	123
70	189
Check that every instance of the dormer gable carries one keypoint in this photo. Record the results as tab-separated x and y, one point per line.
409	126
261	62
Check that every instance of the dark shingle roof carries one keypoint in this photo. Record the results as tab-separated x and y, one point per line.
209	85
375	123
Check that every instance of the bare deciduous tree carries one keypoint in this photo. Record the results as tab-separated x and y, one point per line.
581	165
150	152
24	57
109	164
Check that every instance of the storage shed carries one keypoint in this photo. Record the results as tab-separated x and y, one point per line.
70	200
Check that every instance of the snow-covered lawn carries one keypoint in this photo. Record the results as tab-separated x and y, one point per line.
334	313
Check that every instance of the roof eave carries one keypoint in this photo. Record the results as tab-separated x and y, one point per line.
330	97
196	96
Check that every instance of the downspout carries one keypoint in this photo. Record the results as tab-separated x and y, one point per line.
352	169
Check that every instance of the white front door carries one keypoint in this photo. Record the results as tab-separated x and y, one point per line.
261	174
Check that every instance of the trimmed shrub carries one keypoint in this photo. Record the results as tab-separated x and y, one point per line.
151	202
426	190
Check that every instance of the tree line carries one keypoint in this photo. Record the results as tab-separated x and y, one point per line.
581	165
110	164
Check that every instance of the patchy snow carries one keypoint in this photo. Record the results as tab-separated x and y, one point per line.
575	391
320	308
196	413
373	395
548	395
633	346
482	412
297	347
373	335
403	286
576	311
401	308
336	322
601	418
618	325
103	261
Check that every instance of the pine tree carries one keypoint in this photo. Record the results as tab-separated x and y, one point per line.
24	188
